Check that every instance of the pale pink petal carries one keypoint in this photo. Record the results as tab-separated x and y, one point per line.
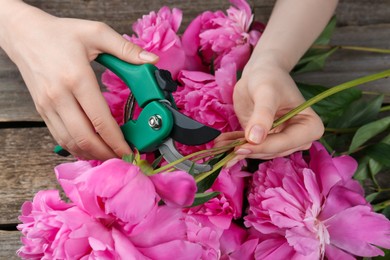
304	242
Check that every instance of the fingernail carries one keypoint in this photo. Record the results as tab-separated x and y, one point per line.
147	56
243	151
256	134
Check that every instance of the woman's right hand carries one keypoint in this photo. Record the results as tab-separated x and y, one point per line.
53	55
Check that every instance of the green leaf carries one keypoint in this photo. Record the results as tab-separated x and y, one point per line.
156	162
362	171
314	61
333	105
201	198
371	196
326	34
380	152
128	158
368	131
206	183
359	113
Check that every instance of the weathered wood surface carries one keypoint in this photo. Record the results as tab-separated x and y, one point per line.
9	243
26	166
26	158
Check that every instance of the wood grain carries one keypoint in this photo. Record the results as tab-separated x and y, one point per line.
26	157
9	244
16	103
27	161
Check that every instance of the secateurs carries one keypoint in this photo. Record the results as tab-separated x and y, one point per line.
159	124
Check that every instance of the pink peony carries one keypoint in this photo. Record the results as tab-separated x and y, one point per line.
225	207
218	36
53	229
157	33
208	99
115	213
236	244
313	210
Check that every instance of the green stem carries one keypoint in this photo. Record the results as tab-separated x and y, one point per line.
329	92
384	108
375	93
381	206
218	165
199	155
352	48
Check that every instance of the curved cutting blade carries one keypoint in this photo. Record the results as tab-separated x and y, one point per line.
190	132
169	152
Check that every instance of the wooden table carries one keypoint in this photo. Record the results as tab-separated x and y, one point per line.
26	157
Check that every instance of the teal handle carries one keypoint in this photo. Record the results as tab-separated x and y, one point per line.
140	79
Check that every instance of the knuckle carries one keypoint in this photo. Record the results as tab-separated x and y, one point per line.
83	143
98	123
99	27
128	48
41	104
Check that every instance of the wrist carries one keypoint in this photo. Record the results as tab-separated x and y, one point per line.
268	60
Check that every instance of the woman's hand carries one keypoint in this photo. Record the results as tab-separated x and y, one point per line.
263	94
53	55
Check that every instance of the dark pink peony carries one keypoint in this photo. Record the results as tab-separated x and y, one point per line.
217	37
157	33
227	206
208	99
309	211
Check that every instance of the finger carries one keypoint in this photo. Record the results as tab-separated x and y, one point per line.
227	138
263	115
298	133
99	115
281	154
62	136
81	129
113	43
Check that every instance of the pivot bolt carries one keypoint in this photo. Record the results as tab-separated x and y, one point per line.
155	122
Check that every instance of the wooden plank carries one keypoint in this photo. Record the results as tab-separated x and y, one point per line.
16	103
9	244
346	65
121	13
27	161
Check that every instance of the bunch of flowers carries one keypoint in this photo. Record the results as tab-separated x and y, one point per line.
295	207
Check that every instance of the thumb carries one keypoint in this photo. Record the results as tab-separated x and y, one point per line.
113	43
261	120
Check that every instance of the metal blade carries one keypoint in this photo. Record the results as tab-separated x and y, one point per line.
190	132
170	153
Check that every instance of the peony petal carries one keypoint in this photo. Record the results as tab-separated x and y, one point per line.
177	249
124	248
167	224
303	241
176	189
339	199
359	231
332	252
275	248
